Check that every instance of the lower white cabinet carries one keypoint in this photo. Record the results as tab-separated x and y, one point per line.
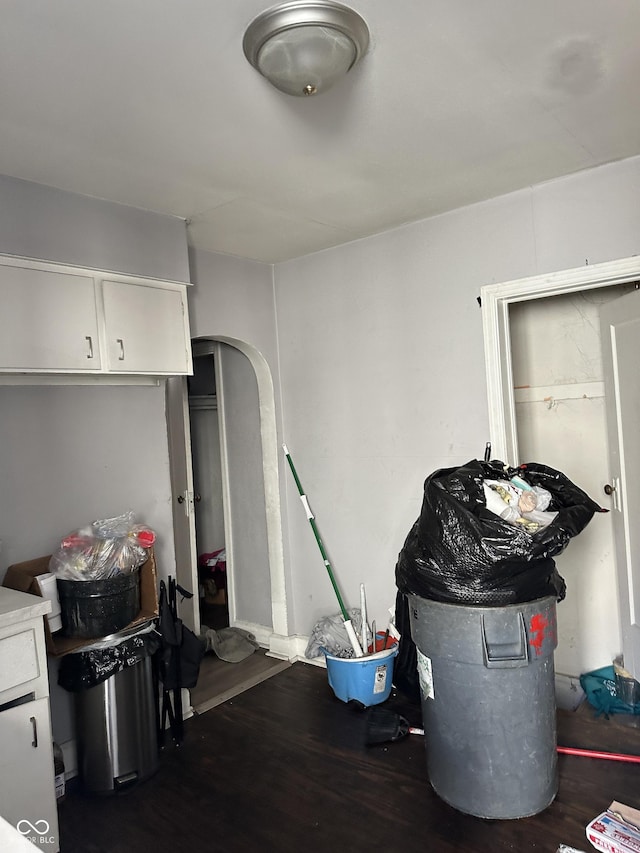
28	799
27	786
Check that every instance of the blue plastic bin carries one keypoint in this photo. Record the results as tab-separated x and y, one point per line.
367	680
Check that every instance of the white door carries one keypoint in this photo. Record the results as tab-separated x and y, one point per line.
620	328
184	523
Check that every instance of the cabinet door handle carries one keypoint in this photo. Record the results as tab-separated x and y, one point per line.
121	342
89	341
34	726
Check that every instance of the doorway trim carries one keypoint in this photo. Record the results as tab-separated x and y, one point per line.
279	641
496	300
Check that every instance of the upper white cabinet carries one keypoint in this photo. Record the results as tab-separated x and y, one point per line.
63	320
48	321
142	332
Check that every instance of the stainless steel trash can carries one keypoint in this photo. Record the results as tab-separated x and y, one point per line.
117	730
488	704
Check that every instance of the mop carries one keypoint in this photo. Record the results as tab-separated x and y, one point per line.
353	639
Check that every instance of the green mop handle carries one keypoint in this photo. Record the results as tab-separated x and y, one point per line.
312	522
350	630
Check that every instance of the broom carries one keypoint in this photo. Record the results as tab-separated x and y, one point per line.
384	726
351	634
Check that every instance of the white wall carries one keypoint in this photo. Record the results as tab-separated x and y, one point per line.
233	299
74	454
54	225
247	550
382	369
382	365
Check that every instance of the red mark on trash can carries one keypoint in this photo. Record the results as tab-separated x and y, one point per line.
538	627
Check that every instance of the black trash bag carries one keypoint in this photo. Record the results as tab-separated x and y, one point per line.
460	552
177	663
180	652
88	668
405	666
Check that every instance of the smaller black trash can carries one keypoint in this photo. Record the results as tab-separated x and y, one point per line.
116	710
98	608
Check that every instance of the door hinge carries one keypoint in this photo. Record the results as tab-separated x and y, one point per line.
612	490
187	499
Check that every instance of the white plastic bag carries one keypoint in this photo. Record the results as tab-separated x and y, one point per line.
106	548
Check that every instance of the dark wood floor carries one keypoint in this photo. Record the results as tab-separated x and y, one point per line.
219	680
283	768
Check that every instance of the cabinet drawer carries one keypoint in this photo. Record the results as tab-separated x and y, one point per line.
18	659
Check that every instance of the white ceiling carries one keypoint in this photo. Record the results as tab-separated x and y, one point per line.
151	103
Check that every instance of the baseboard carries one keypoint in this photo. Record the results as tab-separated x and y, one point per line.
277	645
260	632
292	649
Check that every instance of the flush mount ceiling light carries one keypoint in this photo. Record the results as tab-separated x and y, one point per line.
304	48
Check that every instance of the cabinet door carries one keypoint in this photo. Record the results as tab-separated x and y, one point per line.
146	328
27	790
48	321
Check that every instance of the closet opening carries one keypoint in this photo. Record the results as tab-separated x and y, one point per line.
208	495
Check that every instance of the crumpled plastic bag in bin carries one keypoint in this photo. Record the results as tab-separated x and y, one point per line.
105	549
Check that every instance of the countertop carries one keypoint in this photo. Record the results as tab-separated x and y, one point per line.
19	606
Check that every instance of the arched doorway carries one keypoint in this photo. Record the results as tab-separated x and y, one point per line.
275	634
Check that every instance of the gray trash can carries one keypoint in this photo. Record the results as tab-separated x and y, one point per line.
116	729
488	704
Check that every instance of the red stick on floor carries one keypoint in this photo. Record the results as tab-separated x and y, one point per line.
592	753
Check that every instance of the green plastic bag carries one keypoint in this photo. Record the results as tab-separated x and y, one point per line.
602	693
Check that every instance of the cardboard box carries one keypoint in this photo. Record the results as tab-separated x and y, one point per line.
617	830
21	576
213	595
